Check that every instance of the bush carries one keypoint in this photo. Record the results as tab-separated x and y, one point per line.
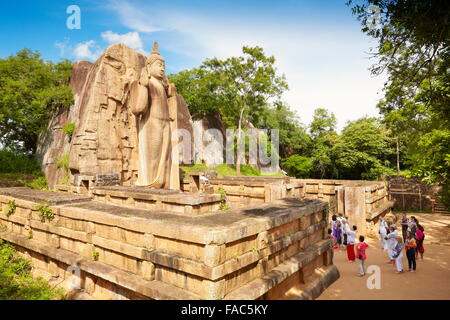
62	162
16	280
298	166
248	170
40	183
69	129
14	162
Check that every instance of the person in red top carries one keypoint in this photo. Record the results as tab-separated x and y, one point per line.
361	255
420	236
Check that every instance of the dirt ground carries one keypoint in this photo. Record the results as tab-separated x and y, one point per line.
431	281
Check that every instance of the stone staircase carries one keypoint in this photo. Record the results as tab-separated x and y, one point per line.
439	207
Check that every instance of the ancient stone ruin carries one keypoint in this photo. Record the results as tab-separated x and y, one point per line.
104	235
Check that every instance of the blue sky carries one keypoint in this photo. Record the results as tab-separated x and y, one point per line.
318	44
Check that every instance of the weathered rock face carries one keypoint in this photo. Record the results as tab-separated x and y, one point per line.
54	143
209	141
105	139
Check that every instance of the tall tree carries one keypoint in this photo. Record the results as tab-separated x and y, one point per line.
365	150
238	87
293	136
31	89
324	136
413	49
323	122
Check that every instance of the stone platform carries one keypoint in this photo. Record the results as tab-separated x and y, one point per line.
159	199
277	250
53	198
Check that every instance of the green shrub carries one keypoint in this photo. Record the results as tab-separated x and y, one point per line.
95	255
297	166
224	206
16	280
44	211
69	129
14	162
40	183
10	208
62	162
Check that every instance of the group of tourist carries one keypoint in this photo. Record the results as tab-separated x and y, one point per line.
412	238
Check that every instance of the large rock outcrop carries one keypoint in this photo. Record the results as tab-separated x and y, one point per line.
209	141
54	144
105	139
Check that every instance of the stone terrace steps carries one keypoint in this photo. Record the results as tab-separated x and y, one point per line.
143	193
159	199
439	207
39	196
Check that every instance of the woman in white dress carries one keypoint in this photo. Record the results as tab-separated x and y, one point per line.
383	233
392	243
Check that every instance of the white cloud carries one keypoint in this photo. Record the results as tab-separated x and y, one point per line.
130	39
326	66
63	46
87	50
135	18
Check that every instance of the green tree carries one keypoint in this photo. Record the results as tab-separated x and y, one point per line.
298	166
323	122
239	87
293	136
413	49
324	136
31	89
365	150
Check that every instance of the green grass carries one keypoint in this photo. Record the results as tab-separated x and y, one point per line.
35	181
20	170
225	170
197	166
16	280
13	162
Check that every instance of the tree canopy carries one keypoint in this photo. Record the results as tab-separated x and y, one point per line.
31	89
413	50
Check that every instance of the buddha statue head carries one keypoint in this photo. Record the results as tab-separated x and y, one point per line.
156	66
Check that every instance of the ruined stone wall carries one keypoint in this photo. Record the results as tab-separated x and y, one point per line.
411	193
363	202
125	253
244	191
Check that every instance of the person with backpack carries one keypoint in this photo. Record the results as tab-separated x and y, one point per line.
420	237
361	255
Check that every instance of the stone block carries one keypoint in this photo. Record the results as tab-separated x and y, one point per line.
53	269
90	227
262	240
147	270
149	241
213	290
55	241
214	255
